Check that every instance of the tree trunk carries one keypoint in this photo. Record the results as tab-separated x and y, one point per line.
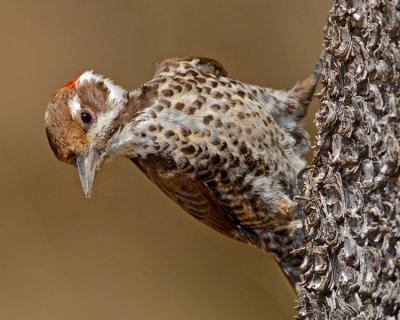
351	192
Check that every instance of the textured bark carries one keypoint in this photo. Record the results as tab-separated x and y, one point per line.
351	192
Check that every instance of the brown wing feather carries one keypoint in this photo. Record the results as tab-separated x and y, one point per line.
195	198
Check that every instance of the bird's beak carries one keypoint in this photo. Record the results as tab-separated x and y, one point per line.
87	165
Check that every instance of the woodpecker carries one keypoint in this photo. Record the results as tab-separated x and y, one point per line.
227	152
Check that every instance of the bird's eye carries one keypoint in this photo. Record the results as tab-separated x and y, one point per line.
86	117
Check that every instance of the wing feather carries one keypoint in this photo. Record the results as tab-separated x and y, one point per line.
195	198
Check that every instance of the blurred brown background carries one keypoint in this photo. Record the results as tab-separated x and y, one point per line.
129	252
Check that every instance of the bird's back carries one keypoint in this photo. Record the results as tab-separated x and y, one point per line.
215	146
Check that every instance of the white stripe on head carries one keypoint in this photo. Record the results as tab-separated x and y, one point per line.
116	95
116	99
74	105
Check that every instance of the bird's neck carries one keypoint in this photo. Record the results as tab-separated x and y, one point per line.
129	138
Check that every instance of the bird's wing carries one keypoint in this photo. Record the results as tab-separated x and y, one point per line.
201	64
195	198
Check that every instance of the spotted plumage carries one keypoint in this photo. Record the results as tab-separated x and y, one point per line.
227	152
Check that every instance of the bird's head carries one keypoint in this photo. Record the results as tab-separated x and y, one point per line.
80	119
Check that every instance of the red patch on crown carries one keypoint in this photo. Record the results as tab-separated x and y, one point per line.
71	84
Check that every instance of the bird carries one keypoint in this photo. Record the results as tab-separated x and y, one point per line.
227	152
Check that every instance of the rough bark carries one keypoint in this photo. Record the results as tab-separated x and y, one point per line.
351	192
